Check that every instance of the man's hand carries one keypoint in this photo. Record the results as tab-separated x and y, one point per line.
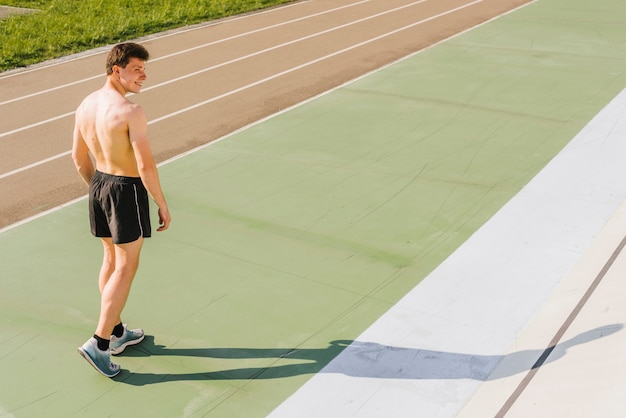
164	219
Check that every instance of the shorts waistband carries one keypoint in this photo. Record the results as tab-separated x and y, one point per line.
98	175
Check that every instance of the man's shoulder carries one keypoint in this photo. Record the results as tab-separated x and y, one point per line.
133	107
132	110
88	100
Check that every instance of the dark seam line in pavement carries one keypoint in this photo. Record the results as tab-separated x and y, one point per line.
555	340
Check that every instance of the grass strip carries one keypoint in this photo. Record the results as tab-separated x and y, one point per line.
62	27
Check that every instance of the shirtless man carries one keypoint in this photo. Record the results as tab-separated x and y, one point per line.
114	131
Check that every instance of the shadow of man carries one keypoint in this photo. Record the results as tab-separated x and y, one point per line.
280	365
358	359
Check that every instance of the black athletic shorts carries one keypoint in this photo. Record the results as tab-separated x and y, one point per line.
118	208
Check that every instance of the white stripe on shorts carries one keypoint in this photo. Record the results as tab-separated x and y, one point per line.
138	212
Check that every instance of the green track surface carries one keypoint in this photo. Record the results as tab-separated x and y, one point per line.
291	237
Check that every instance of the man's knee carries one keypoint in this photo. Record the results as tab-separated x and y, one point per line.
127	257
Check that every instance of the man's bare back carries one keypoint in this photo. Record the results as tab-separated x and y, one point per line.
110	125
103	121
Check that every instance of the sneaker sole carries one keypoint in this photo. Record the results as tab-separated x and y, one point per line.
90	361
122	347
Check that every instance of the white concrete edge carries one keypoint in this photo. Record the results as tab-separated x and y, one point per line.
433	349
493	394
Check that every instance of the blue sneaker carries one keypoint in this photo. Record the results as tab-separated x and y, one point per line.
129	337
100	360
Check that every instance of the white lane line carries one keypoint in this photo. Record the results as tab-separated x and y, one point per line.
40	215
184	51
34	125
432	350
16	171
35	164
38	93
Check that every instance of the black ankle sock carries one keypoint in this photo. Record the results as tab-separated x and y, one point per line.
102	343
118	331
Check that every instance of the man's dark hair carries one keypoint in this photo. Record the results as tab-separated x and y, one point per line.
122	53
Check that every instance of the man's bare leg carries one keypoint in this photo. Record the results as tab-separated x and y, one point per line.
118	270
108	263
115	289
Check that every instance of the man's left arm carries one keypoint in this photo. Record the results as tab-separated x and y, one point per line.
137	133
